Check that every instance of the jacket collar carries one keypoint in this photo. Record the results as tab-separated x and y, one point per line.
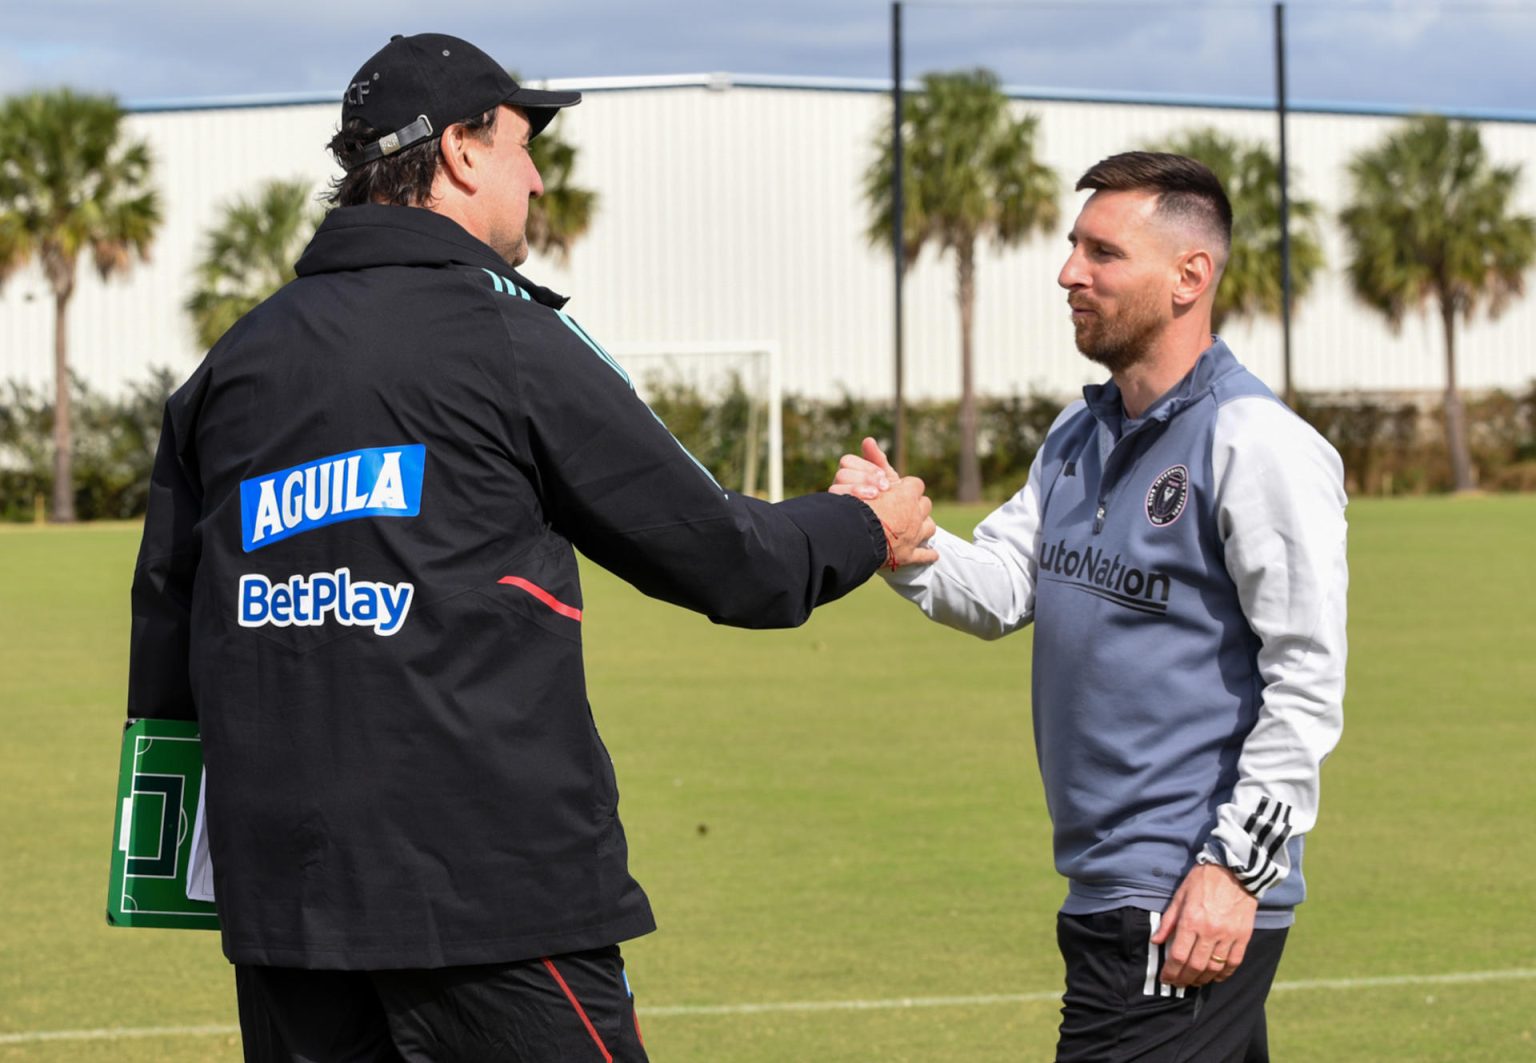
1215	362
376	235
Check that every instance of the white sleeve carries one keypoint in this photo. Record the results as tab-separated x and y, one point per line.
1280	513
985	587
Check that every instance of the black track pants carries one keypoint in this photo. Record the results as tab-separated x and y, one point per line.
574	1008
1116	1010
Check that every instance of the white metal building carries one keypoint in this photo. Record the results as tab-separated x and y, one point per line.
730	212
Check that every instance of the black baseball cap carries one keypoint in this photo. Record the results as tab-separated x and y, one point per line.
415	87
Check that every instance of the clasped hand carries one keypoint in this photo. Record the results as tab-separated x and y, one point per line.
897	500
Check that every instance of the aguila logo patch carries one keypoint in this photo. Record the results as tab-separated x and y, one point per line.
1169	493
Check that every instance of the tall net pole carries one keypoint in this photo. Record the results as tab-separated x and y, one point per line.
1285	208
898	242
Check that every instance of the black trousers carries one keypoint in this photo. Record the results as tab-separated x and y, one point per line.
1116	1010
573	1008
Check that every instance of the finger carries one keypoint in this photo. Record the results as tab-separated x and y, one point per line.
1178	970
923	555
1200	954
858	471
1212	971
857	481
1238	951
1220	973
1170	917
875	455
853	461
856	490
855	478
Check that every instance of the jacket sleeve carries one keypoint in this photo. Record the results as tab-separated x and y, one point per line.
616	483
1280	513
158	653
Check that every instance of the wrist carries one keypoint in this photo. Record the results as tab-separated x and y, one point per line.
1214	855
890	547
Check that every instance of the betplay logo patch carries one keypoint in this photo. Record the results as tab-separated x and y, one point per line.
309	601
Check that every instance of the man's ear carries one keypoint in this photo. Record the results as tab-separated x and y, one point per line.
461	159
1196	275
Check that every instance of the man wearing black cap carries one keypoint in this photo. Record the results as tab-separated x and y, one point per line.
358	575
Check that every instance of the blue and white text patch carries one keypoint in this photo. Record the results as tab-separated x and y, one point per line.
310	601
376	482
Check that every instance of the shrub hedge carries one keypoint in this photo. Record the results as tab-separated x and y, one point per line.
114	448
1390	445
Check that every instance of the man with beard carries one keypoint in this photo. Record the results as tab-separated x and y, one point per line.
1180	549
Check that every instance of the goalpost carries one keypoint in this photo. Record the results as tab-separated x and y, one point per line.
707	368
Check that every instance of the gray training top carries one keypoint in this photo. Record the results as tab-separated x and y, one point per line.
1186	575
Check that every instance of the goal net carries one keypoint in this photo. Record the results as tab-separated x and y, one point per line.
740	385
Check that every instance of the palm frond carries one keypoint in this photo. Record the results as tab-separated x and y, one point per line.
1251	285
250	253
564	213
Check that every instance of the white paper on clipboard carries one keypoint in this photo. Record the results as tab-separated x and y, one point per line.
200	868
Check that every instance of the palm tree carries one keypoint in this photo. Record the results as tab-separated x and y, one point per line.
250	254
1251	283
562	215
70	182
1431	217
969	171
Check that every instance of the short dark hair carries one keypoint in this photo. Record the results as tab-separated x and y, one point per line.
403	179
1187	189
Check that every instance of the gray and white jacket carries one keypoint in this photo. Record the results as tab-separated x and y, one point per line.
1186	576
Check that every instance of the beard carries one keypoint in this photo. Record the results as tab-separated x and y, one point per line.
1118	342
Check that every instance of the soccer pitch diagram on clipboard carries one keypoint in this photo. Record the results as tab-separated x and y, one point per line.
157	837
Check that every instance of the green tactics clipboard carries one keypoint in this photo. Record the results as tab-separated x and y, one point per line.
159	788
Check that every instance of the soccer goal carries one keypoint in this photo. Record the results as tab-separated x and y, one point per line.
712	370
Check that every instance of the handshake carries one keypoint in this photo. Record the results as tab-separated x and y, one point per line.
898	501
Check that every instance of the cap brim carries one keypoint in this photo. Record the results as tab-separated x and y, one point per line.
541	106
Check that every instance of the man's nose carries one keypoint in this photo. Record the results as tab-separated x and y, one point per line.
1071	275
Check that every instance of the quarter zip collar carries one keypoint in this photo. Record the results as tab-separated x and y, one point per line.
1106	404
373	234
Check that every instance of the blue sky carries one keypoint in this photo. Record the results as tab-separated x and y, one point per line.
1461	54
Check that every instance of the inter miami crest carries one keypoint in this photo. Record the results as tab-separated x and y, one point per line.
1169	493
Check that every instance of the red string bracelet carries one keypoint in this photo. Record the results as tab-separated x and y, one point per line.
890	547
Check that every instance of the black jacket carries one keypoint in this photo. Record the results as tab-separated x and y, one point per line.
357	573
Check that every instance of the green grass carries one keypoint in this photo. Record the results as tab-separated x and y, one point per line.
851	811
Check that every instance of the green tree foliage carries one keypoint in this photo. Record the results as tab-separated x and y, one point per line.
1248	170
1430	218
563	214
249	254
715	426
70	182
969	171
114	447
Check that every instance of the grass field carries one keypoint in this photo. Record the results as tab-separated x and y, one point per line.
850	813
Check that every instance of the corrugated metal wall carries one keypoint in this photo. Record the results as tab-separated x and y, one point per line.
734	214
